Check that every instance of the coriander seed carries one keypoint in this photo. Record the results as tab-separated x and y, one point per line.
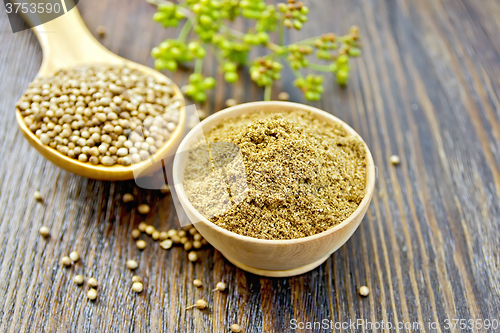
150	229
165	189
38	196
92	294
142	227
283	96
181	233
163	235
79	279
220	286
197	283
132	264
166	244
155	235
175	239
143	209
192	231
136	278
44	231
197	245
172	232
197	237
92	282
136	233
364	291
137	287
200	304
74	256
231	102
188	246
141	245
235	328
66	261
193	256
127	197
395	160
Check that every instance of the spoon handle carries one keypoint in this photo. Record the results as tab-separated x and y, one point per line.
66	42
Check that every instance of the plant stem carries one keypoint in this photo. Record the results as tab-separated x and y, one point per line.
185	30
294	71
307	40
320	68
281	37
198	66
267	92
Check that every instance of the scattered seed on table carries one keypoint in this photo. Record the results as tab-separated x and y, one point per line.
92	294
197	283
136	278
197	245
395	160
38	196
166	244
150	229
155	235
144	209
74	256
127	197
141	245
183	240
137	287
92	282
44	231
188	246
100	31
364	291
136	233
197	237
181	233
176	239
172	232
142	227
165	189
283	96
79	279
132	264
163	235
231	102
192	231
66	261
200	304
204	242
235	328
193	256
220	286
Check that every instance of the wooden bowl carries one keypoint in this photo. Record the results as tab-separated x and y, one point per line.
275	258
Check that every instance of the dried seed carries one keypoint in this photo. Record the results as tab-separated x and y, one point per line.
181	233
166	244
74	256
137	287
144	209
165	189
395	160
150	229
136	233
193	256
66	261
38	196
235	328
141	245
197	245
197	237
92	294
364	291
200	304
44	231
231	102
132	264
192	231
283	96
92	282
172	232
197	283
135	278
142	227
163	235
183	240
175	239
127	197
79	279
156	235
100	31
220	286
188	246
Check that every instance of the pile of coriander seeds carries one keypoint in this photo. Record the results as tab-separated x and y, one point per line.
102	115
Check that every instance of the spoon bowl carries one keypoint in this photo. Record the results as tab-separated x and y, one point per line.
67	43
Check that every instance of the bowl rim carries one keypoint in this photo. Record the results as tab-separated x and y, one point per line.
161	153
370	175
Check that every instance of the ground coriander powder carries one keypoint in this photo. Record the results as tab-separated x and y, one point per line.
302	175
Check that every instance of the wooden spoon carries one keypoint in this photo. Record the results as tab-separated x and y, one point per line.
67	43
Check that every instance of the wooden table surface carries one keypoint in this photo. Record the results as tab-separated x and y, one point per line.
427	88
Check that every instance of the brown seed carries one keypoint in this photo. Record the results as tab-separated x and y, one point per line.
283	96
66	261
100	31
156	235
181	233
92	282
175	239
44	231
220	286
38	196
204	242
142	227
395	160
197	283
150	229
136	233
165	189
193	256
166	244
197	245
188	246
132	264
364	291
172	232
200	304
197	237
137	287
192	231
136	278
144	209
79	279
127	197
163	235
141	245
235	328
92	294
74	256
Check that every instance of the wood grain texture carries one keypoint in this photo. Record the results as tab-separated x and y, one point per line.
426	89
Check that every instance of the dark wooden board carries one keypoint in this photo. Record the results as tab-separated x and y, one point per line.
427	88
